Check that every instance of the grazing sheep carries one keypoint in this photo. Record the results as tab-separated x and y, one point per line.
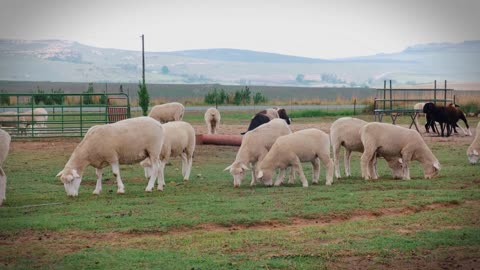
124	142
212	120
473	151
167	112
4	147
255	146
345	132
179	141
395	142
264	116
291	150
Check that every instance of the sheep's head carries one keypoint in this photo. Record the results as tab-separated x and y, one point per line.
282	113
266	176
431	170
429	107
237	170
71	181
473	155
396	165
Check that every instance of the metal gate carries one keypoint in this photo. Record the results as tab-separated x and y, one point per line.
60	115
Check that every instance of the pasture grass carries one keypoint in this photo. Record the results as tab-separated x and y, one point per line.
205	223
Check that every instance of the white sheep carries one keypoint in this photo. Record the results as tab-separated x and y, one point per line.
395	142
179	141
167	112
308	145
473	151
212	120
345	132
4	147
125	142
13	120
39	120
255	146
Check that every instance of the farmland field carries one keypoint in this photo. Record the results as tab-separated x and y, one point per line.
205	223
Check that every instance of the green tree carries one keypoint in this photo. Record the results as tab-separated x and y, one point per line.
259	98
87	99
121	88
237	98
57	99
246	96
4	100
143	98
165	70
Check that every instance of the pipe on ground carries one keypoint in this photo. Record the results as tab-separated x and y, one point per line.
217	139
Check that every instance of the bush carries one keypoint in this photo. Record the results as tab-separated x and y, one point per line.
143	98
4	100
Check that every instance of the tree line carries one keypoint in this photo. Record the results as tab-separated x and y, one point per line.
239	97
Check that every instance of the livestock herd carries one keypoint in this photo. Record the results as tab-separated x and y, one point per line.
268	145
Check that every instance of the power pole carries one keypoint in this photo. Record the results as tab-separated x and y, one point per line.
143	59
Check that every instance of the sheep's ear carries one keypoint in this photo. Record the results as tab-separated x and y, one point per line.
75	174
400	161
59	174
228	168
436	164
475	152
260	174
245	167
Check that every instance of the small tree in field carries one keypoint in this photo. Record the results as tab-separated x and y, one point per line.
143	98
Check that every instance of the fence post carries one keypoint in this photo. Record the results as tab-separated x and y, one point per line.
435	92
445	95
81	115
391	95
354	106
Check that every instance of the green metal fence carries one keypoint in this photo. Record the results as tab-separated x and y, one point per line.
59	115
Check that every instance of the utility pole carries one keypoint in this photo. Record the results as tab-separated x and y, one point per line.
143	59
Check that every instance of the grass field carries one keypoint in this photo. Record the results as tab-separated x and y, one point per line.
205	223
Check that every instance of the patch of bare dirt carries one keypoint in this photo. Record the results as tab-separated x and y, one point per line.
467	258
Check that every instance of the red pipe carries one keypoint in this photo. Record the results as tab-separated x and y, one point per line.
234	140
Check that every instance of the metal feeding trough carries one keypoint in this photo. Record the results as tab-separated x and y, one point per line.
217	139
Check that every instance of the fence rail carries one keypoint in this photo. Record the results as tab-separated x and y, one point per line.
26	115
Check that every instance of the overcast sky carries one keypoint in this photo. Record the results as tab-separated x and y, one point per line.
322	29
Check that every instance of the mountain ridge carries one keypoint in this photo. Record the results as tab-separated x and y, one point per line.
63	60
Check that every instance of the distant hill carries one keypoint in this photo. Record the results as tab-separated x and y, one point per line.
68	61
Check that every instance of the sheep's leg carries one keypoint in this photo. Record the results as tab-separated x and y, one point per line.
116	173
365	162
155	172
183	156
328	163
316	171
336	153
188	167
348	157
406	157
254	174
372	167
98	187
297	166
3	186
280	177
291	175
161	175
